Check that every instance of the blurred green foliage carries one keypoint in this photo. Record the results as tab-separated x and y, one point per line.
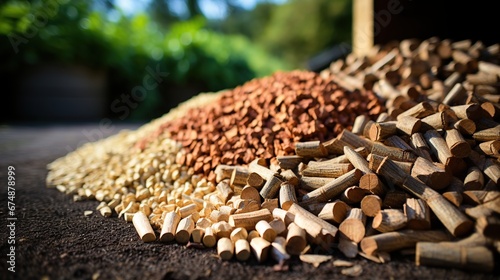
72	32
296	30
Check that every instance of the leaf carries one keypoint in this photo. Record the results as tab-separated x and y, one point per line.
315	260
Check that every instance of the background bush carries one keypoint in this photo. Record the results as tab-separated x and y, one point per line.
195	58
199	53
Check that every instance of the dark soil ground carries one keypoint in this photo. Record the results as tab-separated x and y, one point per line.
54	240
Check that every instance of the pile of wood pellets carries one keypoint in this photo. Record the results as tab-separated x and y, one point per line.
394	151
264	118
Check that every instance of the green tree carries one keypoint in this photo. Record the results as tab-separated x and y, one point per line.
160	12
297	30
249	23
72	33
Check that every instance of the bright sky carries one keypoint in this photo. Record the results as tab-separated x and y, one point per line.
211	8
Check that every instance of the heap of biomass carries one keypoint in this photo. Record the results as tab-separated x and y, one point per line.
298	159
263	118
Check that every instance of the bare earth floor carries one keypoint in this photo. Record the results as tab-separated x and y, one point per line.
54	240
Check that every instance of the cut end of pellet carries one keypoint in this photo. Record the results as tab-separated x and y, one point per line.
167	237
149	237
464	228
182	237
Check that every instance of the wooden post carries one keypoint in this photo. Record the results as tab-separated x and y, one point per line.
217	216
457	92
488	134
366	130
223	171
252	234
369	181
438	120
489	167
187	210
279	226
481	196
468	111
270	204
197	235
362	27
375	160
